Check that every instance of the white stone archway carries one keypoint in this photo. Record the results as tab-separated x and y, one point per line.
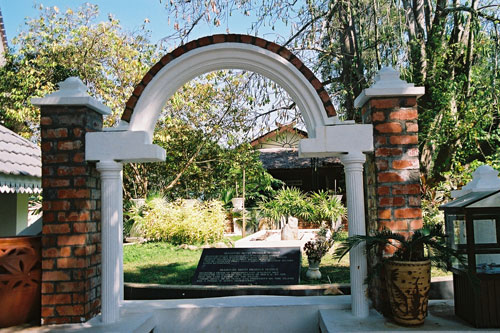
132	142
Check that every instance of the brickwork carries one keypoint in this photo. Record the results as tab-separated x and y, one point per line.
392	175
71	240
229	38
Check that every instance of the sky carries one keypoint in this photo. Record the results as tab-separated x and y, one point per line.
131	13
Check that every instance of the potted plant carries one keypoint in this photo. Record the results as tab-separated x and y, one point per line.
315	250
407	272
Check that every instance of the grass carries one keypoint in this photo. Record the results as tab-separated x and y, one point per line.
163	263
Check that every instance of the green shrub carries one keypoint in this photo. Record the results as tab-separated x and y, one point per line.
181	221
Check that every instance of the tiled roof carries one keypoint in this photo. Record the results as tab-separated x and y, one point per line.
20	163
280	158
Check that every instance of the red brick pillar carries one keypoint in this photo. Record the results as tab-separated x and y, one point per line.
71	250
392	171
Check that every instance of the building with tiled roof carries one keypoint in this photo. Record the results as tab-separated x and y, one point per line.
279	155
20	177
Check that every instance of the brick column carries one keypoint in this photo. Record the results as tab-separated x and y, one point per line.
392	175
71	249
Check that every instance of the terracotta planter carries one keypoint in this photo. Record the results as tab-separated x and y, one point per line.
408	284
20	278
313	272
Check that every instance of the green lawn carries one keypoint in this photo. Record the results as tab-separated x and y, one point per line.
164	263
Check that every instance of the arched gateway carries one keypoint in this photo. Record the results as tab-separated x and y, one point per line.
76	200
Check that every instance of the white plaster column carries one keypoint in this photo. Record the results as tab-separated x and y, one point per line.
111	238
353	168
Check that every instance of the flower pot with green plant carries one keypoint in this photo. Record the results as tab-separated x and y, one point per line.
315	250
407	272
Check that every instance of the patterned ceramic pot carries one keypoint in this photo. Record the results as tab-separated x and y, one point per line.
408	284
20	279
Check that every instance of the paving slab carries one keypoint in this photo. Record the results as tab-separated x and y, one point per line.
441	318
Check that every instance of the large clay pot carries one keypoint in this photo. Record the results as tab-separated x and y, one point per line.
20	278
408	284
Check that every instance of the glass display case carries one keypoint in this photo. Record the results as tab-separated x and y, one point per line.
473	228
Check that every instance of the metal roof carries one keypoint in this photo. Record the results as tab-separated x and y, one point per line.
20	164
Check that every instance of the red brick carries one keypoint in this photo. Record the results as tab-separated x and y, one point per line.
413	152
57	205
408	213
176	53
246	39
77	132
316	84
273	47
69	145
51	182
55	133
45	121
56	299
403	139
391	201
296	62
65	251
409	114
189	46
381	164
384	214
55	158
47	287
79	298
394	225
414	201
73	216
48	264
47	311
411	127
46	146
383	190
406	189
79	157
166	59
71	263
80	251
70	310
48	217
330	110
232	38
388	152
389	128
131	102
73	194
380	140
260	42
309	75
72	240
389	177
405	164
385	103
56	228
84	204
378	116
285	53
79	181
408	102
145	80
64	287
84	227
218	38
324	96
139	88
155	69
416	224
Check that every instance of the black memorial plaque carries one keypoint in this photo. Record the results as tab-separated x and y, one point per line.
266	266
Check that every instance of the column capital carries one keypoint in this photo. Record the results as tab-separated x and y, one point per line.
353	160
109	169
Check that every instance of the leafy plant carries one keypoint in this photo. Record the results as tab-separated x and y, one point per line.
317	248
288	202
181	221
325	207
426	243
